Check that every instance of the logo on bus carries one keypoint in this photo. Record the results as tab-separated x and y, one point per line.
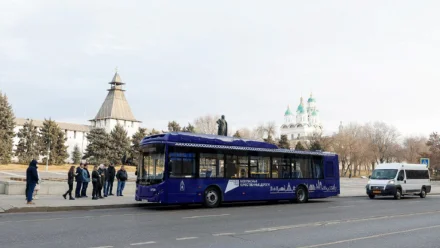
182	186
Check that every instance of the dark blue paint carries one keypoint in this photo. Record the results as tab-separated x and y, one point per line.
170	190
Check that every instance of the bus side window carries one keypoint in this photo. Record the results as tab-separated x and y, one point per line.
318	169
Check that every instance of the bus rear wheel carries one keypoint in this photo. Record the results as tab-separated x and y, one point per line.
212	197
301	195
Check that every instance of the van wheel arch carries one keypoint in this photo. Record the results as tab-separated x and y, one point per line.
218	190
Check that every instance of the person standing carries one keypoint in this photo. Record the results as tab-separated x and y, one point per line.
95	182
86	180
79	180
101	180
70	176
122	178
37	186
110	179
31	180
106	184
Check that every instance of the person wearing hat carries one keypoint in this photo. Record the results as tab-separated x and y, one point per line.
31	180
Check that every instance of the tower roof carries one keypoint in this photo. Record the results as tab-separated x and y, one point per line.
115	105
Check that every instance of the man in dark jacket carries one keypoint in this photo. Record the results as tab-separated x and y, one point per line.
31	180
110	179
122	178
79	180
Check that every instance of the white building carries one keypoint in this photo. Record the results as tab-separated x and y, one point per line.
304	123
115	109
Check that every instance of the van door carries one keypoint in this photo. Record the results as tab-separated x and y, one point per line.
401	180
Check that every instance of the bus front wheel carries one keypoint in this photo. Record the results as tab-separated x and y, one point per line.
212	197
301	195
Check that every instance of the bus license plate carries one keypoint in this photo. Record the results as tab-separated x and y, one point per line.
376	192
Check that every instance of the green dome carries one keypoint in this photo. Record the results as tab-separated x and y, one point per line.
300	109
288	112
314	113
311	100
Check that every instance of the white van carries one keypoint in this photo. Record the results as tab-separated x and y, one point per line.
398	179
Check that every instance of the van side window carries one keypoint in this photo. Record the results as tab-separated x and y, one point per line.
401	176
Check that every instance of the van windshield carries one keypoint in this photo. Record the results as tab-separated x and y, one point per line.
384	174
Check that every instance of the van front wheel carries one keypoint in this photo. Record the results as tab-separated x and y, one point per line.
398	194
423	193
371	196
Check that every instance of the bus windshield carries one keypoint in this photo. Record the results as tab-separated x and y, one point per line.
384	174
153	164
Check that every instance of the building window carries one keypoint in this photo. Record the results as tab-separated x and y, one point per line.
74	134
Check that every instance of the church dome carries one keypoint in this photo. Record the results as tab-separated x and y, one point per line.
300	109
288	112
314	113
311	99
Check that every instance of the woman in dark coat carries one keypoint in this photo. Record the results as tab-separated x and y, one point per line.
96	180
70	177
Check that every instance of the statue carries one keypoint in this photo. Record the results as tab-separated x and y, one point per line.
222	126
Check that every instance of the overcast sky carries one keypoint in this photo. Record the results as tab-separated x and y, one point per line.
363	60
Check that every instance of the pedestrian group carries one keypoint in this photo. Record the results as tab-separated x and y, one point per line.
102	178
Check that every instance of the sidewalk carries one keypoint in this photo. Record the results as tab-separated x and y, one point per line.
47	203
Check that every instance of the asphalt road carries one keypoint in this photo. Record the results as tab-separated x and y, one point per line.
337	222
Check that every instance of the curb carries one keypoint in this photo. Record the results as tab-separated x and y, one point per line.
73	208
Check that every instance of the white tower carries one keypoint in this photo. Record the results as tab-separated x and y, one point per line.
301	114
116	110
288	116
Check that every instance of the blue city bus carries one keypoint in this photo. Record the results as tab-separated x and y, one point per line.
187	168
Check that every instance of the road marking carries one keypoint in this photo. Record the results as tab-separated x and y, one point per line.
102	247
187	238
343	206
11	174
333	222
222	234
144	243
205	216
370	237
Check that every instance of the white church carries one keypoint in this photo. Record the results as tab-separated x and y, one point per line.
304	123
114	110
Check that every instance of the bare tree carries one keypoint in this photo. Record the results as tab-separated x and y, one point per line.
267	130
206	124
413	147
382	139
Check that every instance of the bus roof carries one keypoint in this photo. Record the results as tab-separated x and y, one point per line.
401	165
219	142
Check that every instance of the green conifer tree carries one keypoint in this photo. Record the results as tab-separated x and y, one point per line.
53	138
28	146
174	127
136	140
315	146
189	129
284	142
119	144
76	155
98	149
299	146
237	134
7	134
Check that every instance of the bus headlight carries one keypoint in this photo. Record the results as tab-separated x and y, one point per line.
152	189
